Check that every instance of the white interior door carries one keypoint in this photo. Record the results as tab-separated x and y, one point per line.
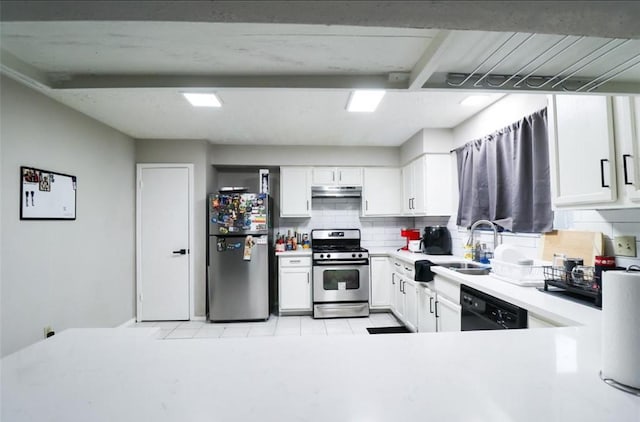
163	244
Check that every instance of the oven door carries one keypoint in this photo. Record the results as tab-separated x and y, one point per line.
340	282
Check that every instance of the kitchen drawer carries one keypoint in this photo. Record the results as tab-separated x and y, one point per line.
409	270
398	266
295	261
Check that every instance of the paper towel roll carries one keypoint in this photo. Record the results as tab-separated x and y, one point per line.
621	327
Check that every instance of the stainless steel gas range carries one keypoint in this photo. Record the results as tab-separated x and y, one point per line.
340	274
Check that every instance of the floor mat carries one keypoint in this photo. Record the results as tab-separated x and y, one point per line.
387	330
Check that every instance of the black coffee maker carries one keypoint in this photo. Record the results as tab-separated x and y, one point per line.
436	240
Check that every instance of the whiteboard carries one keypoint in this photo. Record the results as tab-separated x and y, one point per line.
47	195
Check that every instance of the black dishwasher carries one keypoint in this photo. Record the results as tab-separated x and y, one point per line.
481	311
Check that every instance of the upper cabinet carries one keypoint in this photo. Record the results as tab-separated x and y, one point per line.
346	176
295	191
381	192
426	186
582	149
594	151
627	133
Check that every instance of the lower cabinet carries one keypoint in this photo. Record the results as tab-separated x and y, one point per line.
448	315
294	285
536	322
426	310
397	281
404	296
381	288
410	304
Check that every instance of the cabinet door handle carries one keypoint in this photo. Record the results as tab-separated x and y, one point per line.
396	264
437	316
393	278
430	305
602	161
307	205
308	280
294	261
626	172
333	176
366	204
403	289
340	176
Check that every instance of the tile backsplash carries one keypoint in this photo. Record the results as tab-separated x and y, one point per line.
344	213
610	222
328	213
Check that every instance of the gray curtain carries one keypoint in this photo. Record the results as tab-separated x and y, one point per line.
504	177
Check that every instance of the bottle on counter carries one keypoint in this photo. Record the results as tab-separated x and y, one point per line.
305	241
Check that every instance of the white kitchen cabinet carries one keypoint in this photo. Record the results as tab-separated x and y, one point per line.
397	297
533	322
410	304
408	186
405	294
627	134
595	151
294	287
582	151
426	186
345	176
295	191
438	186
381	287
381	191
426	310
448	315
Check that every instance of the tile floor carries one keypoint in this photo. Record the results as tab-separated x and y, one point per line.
275	326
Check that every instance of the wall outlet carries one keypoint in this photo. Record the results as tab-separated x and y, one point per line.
48	331
624	246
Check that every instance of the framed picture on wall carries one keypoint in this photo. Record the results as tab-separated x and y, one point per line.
47	195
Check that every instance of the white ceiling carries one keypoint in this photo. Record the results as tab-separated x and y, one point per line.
284	84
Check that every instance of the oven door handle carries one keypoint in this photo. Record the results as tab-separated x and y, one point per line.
337	262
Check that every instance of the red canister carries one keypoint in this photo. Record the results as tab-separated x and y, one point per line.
602	263
605	261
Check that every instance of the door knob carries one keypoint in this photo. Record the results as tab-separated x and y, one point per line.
180	252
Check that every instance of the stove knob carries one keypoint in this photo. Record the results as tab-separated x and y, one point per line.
328	255
360	255
354	255
321	255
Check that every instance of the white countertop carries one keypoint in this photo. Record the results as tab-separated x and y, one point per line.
127	375
541	304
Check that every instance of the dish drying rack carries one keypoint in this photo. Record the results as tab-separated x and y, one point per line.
525	275
586	283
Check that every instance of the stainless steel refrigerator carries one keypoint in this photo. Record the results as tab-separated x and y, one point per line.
239	257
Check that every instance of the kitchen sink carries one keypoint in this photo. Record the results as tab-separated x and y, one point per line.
472	271
469	268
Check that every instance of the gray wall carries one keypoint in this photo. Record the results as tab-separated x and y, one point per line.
64	273
196	153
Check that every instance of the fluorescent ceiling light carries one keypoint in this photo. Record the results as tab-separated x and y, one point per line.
475	100
201	99
365	100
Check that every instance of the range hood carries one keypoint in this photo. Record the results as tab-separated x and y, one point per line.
336	191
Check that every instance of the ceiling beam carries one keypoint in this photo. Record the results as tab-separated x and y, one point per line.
609	19
23	72
430	59
242	81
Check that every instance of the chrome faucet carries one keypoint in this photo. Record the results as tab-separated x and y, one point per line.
480	223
